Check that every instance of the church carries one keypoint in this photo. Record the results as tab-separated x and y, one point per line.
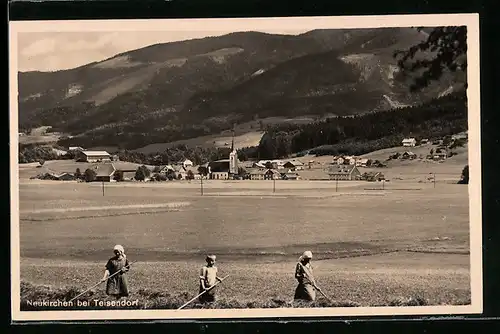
224	169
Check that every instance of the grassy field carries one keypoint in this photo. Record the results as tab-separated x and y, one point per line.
371	247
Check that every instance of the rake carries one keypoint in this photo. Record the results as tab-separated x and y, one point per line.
197	296
102	281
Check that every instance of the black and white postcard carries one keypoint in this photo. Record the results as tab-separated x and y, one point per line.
245	168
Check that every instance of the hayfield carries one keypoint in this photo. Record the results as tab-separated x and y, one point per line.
371	247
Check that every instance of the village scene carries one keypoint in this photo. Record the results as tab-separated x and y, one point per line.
247	170
346	168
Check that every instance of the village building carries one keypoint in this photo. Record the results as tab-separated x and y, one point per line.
128	174
408	155
294	165
373	176
289	175
338	160
362	162
272	174
409	142
257	174
424	141
104	172
187	163
440	156
93	156
459	136
75	149
350	160
165	170
343	172
258	165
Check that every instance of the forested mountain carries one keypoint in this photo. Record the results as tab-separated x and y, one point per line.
186	89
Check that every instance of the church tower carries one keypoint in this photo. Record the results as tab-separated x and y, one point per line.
233	159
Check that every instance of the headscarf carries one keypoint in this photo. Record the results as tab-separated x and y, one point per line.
306	255
120	249
210	257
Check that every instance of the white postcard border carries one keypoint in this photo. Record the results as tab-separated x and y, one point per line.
245	24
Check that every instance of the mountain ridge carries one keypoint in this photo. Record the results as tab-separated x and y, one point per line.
179	90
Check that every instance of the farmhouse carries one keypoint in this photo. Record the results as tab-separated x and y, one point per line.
294	165
272	174
338	160
344	172
93	156
409	142
363	162
187	163
424	141
373	176
290	176
165	170
257	174
104	172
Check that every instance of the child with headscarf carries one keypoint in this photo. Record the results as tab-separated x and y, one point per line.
304	274
117	285
208	278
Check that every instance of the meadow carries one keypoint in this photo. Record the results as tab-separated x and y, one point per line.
404	243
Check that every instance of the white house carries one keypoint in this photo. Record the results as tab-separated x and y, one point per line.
350	160
409	142
187	163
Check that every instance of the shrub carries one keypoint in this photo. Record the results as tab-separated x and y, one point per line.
89	175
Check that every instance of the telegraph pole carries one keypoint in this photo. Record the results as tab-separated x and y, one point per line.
336	184
274	185
434	179
201	184
103	188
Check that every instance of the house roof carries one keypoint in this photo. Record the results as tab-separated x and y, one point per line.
104	169
166	167
294	162
256	171
341	169
87	153
408	139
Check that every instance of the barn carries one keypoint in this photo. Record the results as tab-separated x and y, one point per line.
93	156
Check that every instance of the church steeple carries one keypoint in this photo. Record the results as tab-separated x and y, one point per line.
232	141
233	158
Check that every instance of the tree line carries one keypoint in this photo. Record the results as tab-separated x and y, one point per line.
355	135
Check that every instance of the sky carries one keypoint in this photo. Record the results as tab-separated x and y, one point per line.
52	51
